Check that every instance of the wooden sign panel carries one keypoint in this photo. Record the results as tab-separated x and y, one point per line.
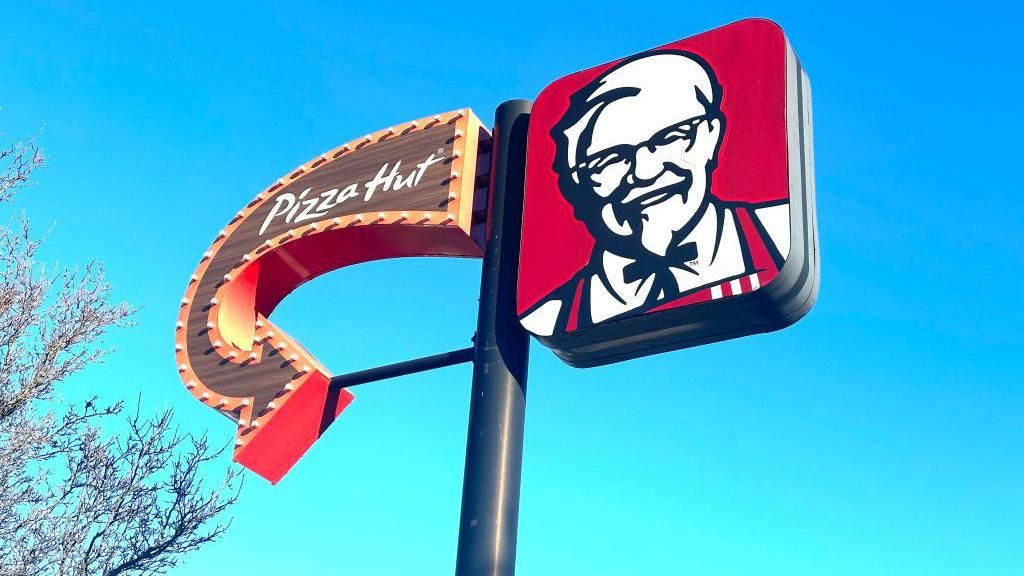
404	191
670	199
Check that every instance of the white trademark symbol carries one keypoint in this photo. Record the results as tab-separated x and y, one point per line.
440	150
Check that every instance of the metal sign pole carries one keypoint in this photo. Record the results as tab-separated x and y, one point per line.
494	447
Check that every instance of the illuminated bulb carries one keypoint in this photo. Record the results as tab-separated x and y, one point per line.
182	367
323	156
293	357
314	226
268	243
291	233
221	234
414	124
390	130
345	148
246	258
288	387
458	133
223	402
437	117
255	423
456	154
336	221
404	215
210	325
214	301
239	214
259	323
177	347
367	138
460	113
427	215
380	216
205	396
190	384
180	325
184	300
359	217
268	335
252	355
245	402
272	405
242	422
451	195
450	217
207	254
232	354
227	277
239	442
281	346
217	343
305	369
455	174
193	278
280	181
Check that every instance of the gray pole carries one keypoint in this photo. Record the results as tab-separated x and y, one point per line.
494	447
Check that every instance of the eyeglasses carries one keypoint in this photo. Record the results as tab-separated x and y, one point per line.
626	153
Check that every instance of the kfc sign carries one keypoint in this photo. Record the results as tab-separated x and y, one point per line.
670	199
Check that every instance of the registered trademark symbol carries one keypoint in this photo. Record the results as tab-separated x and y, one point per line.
440	150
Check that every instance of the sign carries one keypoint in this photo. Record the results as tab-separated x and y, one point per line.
660	201
409	190
670	199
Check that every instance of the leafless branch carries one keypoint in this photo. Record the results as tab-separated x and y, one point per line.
77	496
17	161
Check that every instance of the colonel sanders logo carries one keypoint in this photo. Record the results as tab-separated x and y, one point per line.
636	154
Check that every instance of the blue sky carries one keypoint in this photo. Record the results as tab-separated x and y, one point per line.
880	435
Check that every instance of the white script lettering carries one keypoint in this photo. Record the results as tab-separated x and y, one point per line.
294	209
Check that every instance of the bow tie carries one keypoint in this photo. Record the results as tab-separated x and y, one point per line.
653	265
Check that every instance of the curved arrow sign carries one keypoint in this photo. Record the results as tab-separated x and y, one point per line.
403	191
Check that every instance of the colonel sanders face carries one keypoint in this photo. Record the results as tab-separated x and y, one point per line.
636	150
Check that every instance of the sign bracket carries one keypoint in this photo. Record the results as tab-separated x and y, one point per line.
402	368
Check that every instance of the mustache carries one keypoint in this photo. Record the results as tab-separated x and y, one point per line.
630	215
623	190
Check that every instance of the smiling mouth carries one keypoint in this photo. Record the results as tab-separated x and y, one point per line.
655	195
653	199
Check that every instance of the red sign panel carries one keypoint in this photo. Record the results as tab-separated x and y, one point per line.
669	199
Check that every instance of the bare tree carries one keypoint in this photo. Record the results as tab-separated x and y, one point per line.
76	499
